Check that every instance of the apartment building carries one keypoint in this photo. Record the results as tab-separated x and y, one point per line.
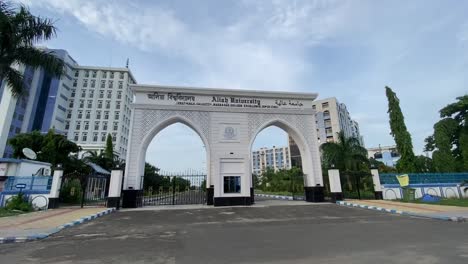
276	158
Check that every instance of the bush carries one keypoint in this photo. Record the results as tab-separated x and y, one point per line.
19	202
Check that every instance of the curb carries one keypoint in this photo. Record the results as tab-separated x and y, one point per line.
280	197
394	211
5	240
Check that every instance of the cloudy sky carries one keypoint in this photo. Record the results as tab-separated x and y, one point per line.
346	49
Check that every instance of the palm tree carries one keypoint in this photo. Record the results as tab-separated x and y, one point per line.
19	31
346	155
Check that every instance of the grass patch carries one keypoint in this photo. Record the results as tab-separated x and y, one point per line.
4	212
449	202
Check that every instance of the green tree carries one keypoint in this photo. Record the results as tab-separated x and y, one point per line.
109	153
52	148
444	136
400	133
424	164
459	112
19	31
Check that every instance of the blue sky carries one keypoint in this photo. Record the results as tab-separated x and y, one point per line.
346	49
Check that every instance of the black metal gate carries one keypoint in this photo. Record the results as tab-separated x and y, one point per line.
357	185
84	189
176	188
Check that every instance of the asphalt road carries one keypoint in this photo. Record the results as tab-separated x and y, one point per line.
276	234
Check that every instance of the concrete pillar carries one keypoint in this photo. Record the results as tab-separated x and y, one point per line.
336	192
115	188
377	187
55	189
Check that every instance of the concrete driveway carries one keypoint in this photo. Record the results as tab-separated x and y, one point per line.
324	233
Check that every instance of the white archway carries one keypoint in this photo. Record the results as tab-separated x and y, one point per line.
227	121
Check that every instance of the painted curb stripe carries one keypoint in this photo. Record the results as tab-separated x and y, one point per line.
19	239
394	211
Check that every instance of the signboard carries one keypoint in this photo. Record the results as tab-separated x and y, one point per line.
20	186
166	98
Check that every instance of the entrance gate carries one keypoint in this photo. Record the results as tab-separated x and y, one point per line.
176	189
84	189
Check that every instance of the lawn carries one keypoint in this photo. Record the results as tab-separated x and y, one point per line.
4	212
450	202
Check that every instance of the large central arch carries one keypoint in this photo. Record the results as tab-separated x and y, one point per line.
227	121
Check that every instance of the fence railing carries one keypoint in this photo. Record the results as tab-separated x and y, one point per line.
32	183
425	178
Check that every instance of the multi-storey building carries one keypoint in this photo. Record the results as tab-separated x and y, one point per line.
332	117
99	105
42	107
387	154
85	104
276	158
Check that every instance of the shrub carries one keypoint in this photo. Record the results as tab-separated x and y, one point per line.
19	202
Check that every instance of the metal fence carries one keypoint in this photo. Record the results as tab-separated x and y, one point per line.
420	178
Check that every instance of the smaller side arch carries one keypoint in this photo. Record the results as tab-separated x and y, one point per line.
298	137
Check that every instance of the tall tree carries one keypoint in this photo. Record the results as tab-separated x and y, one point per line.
19	31
109	152
459	112
444	135
400	133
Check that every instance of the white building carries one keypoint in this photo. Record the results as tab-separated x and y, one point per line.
276	158
99	105
387	154
85	104
333	117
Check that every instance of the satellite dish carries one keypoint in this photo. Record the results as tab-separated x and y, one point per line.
29	153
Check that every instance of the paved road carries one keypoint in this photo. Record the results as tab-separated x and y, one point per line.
275	234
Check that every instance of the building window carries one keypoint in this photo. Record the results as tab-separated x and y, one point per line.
111	83
103	137
104	125
104	74
313	107
114	137
106	114
103	84
116	125
120	85
109	94
99	105
95	137
73	93
86	74
85	83
111	75
76	137
90	103
325	105
91	93
326	114
101	94
81	103
96	125
67	125
84	137
107	104
86	125
77	73
98	114
71	104
93	83
121	75
88	114
69	113
78	125
75	83
232	184
117	115
117	106
119	95
83	94
94	74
